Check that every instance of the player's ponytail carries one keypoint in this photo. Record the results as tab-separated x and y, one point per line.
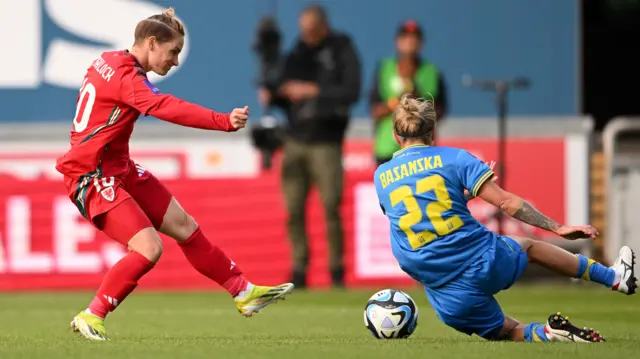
414	118
165	27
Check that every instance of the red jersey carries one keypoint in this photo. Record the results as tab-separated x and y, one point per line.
114	93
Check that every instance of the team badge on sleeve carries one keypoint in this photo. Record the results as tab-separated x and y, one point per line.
151	87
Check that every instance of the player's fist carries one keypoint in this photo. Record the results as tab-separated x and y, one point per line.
577	232
239	117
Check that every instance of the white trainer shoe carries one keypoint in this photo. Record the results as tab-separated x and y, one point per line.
625	267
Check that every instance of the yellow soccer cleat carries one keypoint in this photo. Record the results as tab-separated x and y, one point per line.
260	297
90	326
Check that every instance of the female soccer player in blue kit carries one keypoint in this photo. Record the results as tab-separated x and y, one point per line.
424	190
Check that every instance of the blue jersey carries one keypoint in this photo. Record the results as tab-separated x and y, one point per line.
434	237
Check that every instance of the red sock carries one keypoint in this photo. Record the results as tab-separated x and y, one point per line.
235	285
119	282
211	262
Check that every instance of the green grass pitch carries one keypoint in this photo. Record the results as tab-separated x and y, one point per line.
314	324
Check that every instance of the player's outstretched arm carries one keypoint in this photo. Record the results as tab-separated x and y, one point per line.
515	207
138	92
519	209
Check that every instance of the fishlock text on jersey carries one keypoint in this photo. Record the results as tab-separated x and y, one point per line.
407	169
103	68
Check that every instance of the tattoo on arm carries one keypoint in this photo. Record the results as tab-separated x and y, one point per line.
528	214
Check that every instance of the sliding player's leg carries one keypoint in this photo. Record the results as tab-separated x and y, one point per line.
471	312
515	253
170	218
468	305
620	276
127	224
556	329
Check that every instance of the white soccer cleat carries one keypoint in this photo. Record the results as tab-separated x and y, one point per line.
624	267
559	329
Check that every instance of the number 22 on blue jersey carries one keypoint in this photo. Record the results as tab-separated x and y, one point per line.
432	211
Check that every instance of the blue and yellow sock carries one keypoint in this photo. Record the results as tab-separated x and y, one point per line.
592	271
534	332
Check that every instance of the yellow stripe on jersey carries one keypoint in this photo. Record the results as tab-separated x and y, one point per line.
483	179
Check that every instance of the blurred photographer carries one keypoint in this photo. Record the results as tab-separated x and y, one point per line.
267	134
320	81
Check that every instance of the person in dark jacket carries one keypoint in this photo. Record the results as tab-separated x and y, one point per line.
320	82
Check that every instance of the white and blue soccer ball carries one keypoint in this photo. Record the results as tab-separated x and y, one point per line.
391	314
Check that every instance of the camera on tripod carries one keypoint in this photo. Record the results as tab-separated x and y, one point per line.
267	135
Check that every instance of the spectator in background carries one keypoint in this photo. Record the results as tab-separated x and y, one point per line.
320	82
405	73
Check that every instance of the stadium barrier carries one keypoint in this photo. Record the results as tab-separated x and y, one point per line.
46	244
621	149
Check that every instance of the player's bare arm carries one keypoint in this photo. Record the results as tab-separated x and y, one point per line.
521	210
529	214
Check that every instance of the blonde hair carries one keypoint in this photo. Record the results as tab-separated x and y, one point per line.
163	26
415	118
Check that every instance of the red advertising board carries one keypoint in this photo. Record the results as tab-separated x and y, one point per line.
46	244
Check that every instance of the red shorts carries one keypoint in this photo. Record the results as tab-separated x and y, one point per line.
121	206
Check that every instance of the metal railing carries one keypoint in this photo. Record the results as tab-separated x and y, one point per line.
617	162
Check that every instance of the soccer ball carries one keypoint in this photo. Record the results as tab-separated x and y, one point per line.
391	314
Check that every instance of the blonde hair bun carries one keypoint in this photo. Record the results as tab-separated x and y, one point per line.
414	117
169	12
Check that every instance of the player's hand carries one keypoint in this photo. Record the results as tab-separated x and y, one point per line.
239	117
577	232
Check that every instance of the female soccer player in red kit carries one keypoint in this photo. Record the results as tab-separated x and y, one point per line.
124	200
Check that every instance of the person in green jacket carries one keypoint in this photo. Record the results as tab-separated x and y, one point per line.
405	73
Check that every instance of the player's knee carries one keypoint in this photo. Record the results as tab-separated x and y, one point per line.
188	225
148	243
524	242
508	331
152	250
182	226
177	223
